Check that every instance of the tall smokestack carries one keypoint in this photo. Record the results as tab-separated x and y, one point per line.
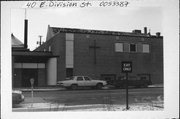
145	30
25	33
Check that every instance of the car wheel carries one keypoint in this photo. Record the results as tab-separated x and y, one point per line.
74	86
99	86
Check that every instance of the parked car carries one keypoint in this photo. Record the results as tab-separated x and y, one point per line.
81	81
17	97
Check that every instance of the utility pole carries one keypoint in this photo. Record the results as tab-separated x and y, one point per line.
40	41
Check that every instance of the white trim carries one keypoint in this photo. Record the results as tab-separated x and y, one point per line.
69	50
29	65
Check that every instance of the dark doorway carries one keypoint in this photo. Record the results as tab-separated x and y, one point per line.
27	74
69	72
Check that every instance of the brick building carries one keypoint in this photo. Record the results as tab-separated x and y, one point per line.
99	54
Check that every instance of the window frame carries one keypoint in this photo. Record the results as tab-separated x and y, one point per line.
121	49
143	48
130	47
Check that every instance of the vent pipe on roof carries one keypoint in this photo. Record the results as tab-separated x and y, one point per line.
25	33
158	34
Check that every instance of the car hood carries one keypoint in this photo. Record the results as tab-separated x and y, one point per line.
17	91
65	81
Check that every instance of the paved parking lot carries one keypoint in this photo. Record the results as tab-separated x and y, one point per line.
92	100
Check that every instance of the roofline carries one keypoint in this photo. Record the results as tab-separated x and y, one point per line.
57	30
33	53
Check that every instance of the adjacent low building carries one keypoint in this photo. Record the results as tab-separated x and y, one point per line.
31	64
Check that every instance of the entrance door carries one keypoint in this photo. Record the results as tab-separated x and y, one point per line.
27	74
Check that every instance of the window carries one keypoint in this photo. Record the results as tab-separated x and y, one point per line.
118	47
79	78
132	47
145	48
87	78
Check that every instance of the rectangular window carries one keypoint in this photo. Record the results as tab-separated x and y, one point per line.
87	78
118	47
126	47
145	48
132	47
139	47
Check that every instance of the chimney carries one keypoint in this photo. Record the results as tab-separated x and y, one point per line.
25	33
158	34
137	31
145	30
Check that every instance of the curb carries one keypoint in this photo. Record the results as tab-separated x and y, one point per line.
48	89
62	89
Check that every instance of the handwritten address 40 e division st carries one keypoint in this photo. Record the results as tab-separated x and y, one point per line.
75	4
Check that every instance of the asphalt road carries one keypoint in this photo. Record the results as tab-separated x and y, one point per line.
86	97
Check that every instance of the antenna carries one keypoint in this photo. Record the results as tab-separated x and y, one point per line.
25	13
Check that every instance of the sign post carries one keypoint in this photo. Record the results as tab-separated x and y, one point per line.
32	84
126	68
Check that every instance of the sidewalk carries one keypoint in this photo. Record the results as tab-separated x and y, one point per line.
156	86
48	88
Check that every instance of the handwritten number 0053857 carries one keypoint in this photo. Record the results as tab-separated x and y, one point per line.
113	3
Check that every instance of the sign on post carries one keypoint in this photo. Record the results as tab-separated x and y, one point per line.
126	68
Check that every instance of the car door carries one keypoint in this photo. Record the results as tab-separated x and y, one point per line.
88	81
80	81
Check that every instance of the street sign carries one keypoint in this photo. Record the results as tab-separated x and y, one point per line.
126	67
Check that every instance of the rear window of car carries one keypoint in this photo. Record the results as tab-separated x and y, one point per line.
79	78
87	78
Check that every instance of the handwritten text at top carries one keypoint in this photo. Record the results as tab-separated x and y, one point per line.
75	4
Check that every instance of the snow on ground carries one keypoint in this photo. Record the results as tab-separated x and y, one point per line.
157	106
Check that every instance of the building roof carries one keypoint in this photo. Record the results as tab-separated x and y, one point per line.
52	31
31	56
16	42
89	31
32	53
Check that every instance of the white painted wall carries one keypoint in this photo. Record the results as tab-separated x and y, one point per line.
29	65
69	50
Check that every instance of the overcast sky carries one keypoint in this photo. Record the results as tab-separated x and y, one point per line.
113	19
